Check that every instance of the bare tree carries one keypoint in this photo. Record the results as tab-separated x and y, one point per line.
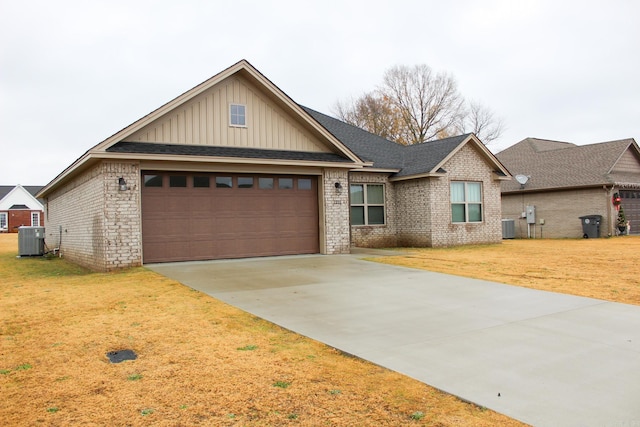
428	104
481	121
370	112
414	105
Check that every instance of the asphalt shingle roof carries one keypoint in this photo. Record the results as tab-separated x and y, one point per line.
217	151
383	153
408	160
553	164
32	189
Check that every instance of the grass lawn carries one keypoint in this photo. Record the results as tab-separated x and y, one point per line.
200	361
607	269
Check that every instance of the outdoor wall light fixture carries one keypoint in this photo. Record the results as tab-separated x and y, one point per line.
338	186
122	184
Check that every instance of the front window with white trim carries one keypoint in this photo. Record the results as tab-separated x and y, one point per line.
466	201
3	221
367	204
35	219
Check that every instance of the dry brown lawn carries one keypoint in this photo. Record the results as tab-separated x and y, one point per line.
607	269
200	361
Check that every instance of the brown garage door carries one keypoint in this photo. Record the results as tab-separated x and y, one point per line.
210	216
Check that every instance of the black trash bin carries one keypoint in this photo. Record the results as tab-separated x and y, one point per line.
591	226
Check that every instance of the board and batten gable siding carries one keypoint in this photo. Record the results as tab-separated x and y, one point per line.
94	223
204	120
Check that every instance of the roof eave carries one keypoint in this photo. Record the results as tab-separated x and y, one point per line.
81	162
366	168
219	159
488	155
418	176
554	189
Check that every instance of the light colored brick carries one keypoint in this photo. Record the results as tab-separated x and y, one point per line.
92	222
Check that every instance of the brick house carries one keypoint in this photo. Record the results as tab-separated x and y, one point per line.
564	182
235	168
18	207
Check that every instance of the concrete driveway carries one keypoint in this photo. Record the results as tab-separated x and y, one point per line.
543	358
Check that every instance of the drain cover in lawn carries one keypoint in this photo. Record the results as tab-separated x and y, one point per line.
121	355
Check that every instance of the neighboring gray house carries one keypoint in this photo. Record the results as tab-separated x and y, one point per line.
565	181
234	168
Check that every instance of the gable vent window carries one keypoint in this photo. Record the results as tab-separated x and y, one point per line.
238	115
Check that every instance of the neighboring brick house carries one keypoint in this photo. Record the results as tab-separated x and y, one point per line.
235	168
564	182
18	207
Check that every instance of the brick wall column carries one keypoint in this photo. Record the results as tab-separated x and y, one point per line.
336	211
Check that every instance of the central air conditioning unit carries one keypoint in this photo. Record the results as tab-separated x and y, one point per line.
30	241
508	229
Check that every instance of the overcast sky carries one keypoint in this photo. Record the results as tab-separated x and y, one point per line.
72	73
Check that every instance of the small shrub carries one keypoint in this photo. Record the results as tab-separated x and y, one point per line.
281	384
249	347
418	415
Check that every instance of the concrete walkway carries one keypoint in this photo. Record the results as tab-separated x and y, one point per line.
543	358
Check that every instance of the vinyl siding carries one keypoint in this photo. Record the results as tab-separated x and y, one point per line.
204	120
628	162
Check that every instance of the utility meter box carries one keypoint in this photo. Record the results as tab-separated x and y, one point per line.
531	214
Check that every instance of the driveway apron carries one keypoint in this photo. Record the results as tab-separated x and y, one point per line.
543	358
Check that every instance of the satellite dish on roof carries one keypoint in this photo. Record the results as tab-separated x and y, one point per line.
522	179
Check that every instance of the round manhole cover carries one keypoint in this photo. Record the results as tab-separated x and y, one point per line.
121	355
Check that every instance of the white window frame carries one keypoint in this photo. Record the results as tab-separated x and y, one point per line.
366	204
35	215
467	202
4	224
233	115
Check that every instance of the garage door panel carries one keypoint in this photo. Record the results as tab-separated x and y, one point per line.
210	223
631	205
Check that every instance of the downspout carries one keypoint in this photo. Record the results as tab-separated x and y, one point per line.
609	192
